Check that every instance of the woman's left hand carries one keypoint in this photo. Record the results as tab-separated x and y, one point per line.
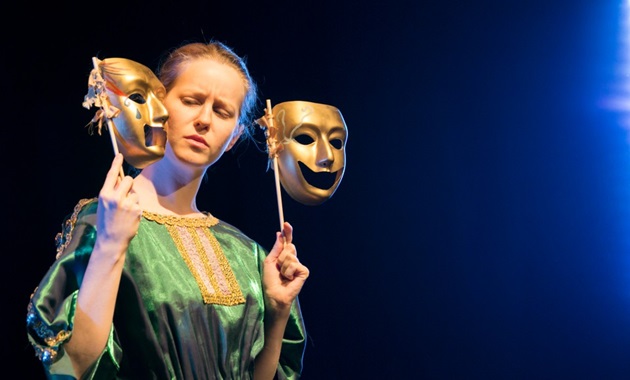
283	274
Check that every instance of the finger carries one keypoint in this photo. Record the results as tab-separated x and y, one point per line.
125	185
134	200
288	251
289	267
288	271
277	247
287	232
294	269
112	174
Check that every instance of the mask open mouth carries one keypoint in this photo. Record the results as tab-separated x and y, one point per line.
154	136
321	180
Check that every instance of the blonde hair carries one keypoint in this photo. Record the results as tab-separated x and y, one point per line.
170	69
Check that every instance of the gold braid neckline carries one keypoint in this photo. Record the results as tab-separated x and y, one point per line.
182	221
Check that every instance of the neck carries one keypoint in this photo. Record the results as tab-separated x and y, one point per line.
164	189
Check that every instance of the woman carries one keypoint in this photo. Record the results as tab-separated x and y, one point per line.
147	286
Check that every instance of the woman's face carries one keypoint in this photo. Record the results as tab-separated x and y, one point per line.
137	93
311	159
204	104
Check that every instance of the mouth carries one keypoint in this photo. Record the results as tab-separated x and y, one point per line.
321	180
198	139
154	136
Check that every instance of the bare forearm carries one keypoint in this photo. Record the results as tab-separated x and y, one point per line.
267	361
95	307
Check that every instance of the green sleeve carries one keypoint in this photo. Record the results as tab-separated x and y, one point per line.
51	309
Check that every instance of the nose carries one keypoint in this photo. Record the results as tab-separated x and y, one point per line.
325	156
204	118
157	112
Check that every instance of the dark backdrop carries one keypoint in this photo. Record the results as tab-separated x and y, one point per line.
481	228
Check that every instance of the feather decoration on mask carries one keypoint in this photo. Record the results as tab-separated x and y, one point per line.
97	97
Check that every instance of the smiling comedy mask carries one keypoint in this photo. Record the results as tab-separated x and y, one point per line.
309	140
130	99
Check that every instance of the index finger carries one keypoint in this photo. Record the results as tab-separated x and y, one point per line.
287	232
113	174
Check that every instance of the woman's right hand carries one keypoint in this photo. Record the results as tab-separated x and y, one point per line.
118	214
117	220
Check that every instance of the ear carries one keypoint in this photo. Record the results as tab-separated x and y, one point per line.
238	131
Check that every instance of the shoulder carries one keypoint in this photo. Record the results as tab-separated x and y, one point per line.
84	212
84	207
226	230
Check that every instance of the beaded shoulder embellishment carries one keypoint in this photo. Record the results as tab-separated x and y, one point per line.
62	239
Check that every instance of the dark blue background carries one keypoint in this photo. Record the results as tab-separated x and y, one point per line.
481	228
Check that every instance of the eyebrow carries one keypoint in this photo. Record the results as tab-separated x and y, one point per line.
222	102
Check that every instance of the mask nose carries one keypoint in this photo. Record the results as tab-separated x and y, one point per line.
325	163
325	156
158	112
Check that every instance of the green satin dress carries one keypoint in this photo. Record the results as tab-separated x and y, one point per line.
190	303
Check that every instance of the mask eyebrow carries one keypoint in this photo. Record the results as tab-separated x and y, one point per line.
134	86
339	129
316	128
113	88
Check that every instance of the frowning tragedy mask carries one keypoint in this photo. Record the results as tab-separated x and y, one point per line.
310	140
130	97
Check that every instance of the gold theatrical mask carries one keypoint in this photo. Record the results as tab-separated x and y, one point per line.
311	140
130	97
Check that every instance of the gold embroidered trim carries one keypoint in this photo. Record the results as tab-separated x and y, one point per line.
204	257
174	220
47	353
62	239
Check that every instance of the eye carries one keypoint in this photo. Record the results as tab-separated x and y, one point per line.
303	139
189	101
137	98
223	113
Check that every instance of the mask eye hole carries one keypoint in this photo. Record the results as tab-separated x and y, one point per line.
304	139
138	98
336	143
